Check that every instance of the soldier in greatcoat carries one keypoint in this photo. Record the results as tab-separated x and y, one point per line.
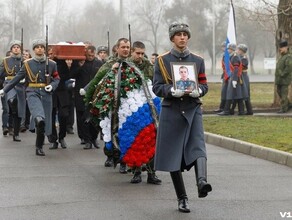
41	81
180	140
241	51
16	96
235	93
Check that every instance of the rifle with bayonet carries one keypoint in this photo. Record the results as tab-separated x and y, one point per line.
47	74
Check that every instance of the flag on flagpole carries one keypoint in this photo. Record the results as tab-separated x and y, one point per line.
231	38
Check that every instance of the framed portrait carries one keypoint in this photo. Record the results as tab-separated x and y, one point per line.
184	76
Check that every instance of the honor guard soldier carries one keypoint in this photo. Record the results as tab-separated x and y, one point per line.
180	143
42	78
16	96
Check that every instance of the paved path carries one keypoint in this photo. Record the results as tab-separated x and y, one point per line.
74	184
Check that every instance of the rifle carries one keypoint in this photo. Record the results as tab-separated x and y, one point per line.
130	40
21	47
108	43
47	74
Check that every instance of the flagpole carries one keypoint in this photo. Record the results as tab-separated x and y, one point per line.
213	36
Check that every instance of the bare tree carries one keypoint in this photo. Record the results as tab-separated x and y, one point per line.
147	19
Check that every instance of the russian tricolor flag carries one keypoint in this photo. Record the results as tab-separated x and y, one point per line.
231	37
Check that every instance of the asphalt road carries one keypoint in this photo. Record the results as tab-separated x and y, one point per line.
74	184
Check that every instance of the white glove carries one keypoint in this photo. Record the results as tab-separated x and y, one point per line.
177	93
234	83
48	88
22	81
82	92
1	92
73	84
195	93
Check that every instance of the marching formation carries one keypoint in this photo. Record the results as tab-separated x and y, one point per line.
147	111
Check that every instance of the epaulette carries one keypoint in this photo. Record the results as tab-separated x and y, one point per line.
168	52
52	61
197	55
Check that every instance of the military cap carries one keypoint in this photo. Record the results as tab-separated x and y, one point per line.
178	27
242	47
231	46
283	43
38	42
14	42
102	48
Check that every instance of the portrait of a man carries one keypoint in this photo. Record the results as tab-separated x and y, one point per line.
184	82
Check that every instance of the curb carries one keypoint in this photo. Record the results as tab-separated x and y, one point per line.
254	150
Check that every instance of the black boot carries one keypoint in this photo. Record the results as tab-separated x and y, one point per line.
54	145
240	107
109	162
153	179
40	132
136	178
248	106
178	183
201	177
16	125
123	168
87	146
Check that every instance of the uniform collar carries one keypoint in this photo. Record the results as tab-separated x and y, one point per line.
179	54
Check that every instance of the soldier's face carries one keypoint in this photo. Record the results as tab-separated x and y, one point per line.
138	55
183	72
283	50
180	40
39	50
90	55
16	49
123	49
102	55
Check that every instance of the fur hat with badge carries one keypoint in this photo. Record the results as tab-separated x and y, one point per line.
102	48
38	42
178	27
14	42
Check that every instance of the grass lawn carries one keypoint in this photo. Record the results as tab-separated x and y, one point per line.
272	132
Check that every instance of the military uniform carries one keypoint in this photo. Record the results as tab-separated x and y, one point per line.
38	99
283	76
16	96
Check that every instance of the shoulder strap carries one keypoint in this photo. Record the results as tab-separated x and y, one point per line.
163	70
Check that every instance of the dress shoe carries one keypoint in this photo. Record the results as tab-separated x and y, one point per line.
223	113
63	144
54	146
82	141
95	144
123	168
22	129
281	111
218	110
87	146
16	138
183	205
39	152
70	131
136	178
5	131
153	179
109	162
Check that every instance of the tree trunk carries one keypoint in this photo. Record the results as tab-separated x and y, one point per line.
284	32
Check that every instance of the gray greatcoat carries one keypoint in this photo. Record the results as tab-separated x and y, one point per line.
39	101
180	137
11	67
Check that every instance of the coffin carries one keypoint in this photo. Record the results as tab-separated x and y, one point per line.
68	51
